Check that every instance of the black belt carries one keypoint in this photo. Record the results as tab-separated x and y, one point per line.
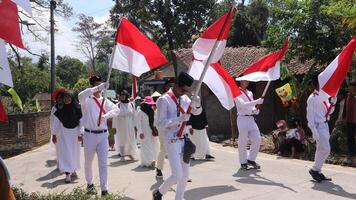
95	131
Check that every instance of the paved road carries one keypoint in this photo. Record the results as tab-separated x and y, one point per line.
220	179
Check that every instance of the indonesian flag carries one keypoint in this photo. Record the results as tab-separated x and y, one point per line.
9	23
332	77
5	72
134	52
216	78
266	68
3	115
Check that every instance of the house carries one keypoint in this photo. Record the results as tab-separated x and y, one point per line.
235	60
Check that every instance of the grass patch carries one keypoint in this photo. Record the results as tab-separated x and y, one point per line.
76	194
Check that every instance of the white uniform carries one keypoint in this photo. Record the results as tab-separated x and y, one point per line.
162	149
248	129
125	140
318	113
201	140
67	146
170	124
149	143
96	142
53	147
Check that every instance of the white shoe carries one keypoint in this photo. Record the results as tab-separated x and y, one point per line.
68	178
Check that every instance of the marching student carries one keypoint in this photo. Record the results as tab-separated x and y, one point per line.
171	109
124	128
65	124
147	132
95	134
318	115
248	129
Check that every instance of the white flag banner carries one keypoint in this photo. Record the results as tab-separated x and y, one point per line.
5	72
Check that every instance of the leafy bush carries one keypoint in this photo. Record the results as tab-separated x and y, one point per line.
76	194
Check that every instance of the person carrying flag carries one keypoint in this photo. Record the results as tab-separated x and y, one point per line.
247	127
172	108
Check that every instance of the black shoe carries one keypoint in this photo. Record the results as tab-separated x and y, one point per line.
189	180
315	175
209	157
104	193
253	164
159	173
244	166
324	178
157	195
91	189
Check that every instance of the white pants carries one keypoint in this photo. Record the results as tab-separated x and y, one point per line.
96	143
162	151
179	169
248	130
322	146
201	140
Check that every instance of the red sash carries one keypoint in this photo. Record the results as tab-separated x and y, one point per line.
97	103
245	93
170	94
328	109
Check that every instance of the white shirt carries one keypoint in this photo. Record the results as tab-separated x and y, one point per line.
245	104
317	110
167	113
293	133
91	109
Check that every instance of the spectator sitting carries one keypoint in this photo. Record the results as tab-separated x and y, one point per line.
295	138
279	136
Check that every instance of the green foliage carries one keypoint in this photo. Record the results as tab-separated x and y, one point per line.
69	70
314	33
76	194
345	10
250	24
170	24
81	85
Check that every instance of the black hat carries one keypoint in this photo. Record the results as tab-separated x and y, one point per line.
184	79
125	92
94	79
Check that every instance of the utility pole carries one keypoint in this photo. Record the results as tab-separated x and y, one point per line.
53	5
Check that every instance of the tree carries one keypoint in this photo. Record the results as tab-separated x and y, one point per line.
89	34
345	9
314	33
250	24
69	70
170	23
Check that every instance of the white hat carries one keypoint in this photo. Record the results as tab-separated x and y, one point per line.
156	94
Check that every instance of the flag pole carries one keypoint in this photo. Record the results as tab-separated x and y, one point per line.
107	79
265	90
207	64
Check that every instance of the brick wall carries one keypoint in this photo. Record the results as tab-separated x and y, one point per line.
35	132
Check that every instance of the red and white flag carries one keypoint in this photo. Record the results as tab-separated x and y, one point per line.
266	68
9	23
332	77
216	78
134	52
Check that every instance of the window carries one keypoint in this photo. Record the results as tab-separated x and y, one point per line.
19	129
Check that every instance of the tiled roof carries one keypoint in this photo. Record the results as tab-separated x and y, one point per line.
236	60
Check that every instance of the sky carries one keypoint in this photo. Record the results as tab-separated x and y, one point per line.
65	38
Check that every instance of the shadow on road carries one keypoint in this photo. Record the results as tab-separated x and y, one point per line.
51	175
252	177
56	183
51	163
334	189
142	169
120	163
209	191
